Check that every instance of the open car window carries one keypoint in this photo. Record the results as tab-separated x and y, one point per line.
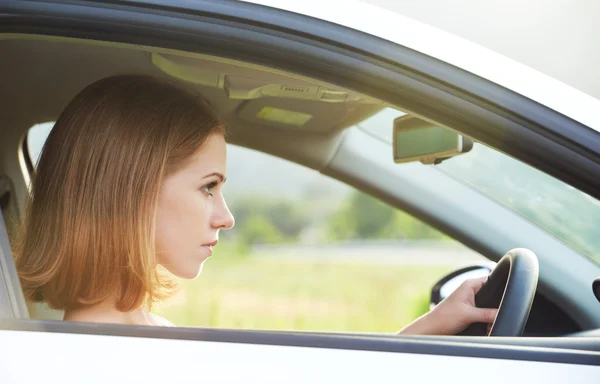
308	253
554	206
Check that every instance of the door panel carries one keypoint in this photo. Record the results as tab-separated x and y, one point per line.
77	358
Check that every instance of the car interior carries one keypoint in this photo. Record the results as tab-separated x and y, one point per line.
304	120
253	102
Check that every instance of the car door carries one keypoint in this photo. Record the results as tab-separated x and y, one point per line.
395	74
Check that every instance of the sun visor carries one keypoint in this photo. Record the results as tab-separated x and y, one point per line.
293	114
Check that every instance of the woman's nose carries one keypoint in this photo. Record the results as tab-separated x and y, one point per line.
223	219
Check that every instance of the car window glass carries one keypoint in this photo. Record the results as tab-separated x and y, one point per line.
556	207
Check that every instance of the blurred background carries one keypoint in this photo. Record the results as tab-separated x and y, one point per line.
310	253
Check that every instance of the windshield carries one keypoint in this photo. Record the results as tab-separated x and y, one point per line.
558	208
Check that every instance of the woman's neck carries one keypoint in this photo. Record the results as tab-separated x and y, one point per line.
106	312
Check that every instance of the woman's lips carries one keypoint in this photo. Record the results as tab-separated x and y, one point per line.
209	247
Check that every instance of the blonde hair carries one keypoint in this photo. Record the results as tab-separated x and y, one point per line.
89	229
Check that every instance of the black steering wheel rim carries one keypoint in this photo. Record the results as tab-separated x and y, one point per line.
511	288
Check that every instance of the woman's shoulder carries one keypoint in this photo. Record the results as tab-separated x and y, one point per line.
161	321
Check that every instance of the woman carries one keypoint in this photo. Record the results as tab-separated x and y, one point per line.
127	193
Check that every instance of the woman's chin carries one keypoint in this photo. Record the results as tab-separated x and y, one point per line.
188	271
191	272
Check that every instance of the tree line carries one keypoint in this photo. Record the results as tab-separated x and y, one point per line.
268	220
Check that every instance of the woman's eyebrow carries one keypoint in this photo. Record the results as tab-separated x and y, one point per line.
218	174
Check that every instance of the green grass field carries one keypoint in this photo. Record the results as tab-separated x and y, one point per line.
267	293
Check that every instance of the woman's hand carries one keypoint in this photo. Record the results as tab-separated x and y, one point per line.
453	314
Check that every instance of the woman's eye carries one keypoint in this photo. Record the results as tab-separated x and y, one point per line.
208	188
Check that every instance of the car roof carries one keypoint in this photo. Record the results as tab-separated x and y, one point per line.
453	50
549	38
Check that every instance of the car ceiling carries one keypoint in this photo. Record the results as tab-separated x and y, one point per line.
40	75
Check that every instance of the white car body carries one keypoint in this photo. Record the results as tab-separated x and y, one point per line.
122	360
41	351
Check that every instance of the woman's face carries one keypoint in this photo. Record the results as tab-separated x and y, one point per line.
191	210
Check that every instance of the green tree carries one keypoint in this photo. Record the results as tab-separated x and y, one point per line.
364	217
260	219
361	217
259	230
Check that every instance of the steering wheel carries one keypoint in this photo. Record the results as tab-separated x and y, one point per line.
510	288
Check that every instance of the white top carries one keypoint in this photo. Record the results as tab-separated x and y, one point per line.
160	321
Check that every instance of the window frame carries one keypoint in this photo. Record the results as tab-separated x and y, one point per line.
397	75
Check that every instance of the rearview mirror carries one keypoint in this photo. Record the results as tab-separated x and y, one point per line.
419	140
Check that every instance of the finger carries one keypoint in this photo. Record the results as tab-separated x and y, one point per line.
484	315
473	285
478	283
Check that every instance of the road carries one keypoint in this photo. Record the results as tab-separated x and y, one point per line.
399	253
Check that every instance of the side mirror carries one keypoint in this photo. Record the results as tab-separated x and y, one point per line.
419	140
448	284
